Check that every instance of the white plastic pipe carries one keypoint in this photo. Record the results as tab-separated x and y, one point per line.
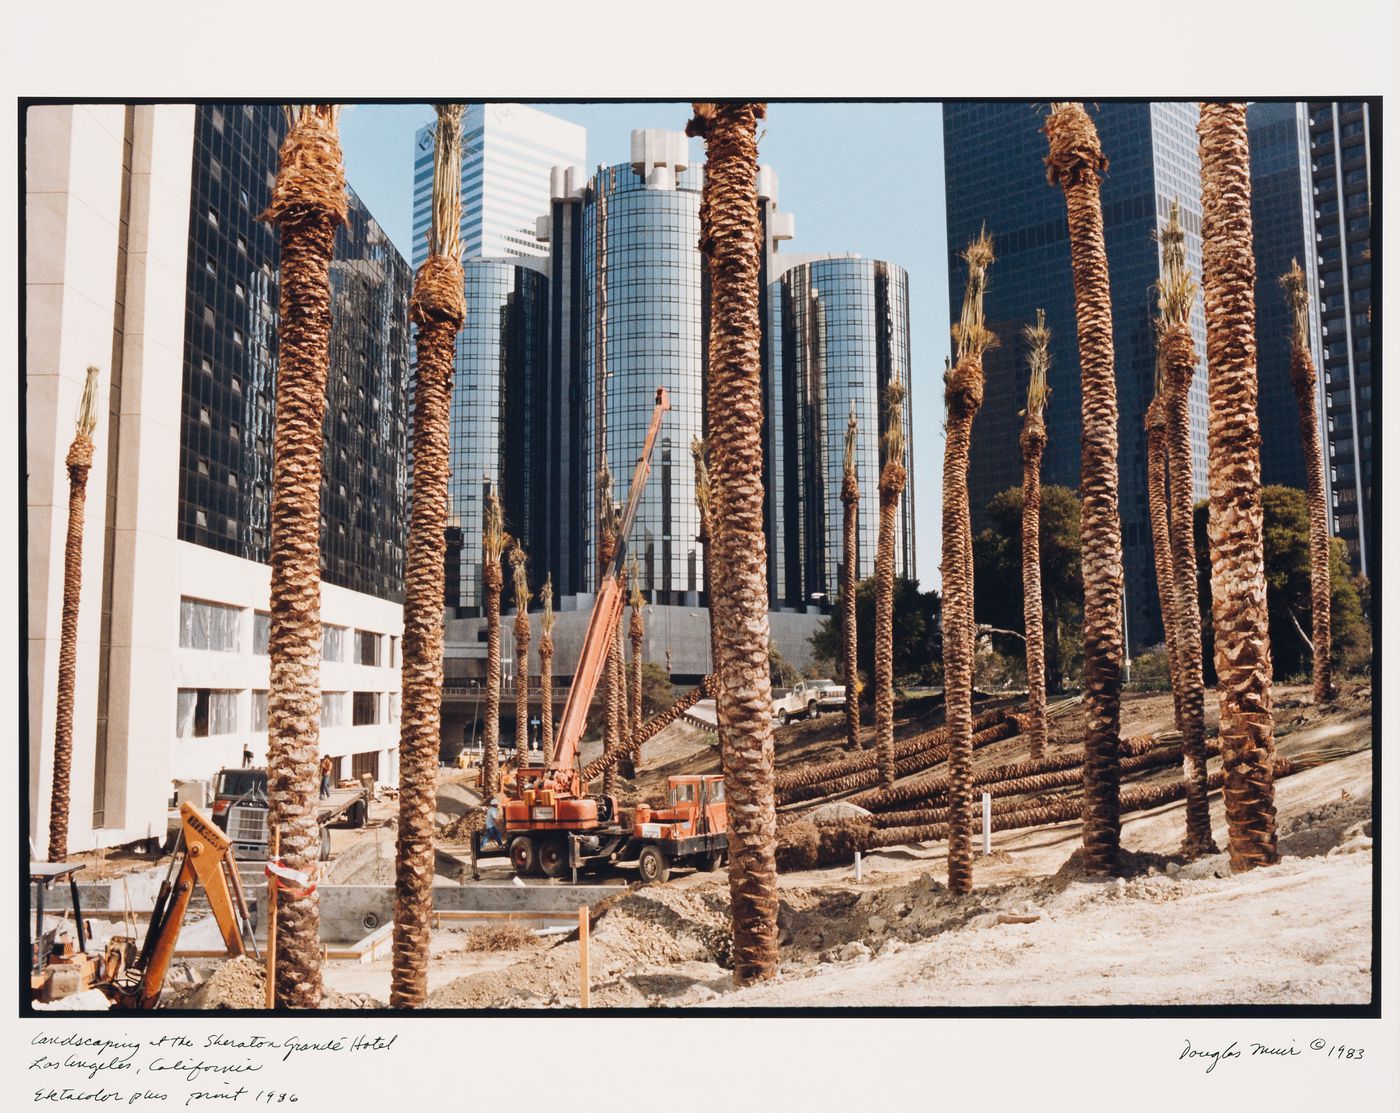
986	823
857	865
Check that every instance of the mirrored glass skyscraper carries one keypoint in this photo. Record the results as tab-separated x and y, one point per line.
995	176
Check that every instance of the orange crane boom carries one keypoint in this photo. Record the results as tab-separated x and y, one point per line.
607	610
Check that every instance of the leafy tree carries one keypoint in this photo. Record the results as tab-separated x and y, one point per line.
917	651
657	691
998	582
1287	572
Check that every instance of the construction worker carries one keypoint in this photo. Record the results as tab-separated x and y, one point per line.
493	828
326	777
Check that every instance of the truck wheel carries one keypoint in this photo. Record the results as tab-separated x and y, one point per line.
325	844
358	814
522	854
652	865
812	709
554	857
783	716
710	862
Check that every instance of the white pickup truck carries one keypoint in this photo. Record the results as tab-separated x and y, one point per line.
809	698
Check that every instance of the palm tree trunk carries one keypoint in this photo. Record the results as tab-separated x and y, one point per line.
1242	651
493	540
1155	423
79	463
1075	163
612	730
892	479
730	242
522	657
963	397
1033	437
1176	353
547	669
850	500
438	309
1304	376
308	204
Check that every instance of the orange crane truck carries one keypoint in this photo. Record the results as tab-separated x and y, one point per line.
553	824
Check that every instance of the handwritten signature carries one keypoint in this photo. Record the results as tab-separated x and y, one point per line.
1214	1057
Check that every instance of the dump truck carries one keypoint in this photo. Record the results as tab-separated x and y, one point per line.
240	810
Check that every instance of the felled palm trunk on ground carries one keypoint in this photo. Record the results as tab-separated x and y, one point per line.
1239	605
1176	355
522	656
648	730
962	393
1033	437
493	544
892	479
438	310
730	243
308	204
1304	376
547	668
1075	163
850	502
1155	425
78	463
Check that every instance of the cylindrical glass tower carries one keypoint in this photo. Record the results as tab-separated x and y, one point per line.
839	335
650	333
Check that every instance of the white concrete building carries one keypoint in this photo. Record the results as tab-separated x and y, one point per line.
171	667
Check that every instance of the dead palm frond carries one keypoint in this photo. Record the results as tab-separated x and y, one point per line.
971	332
634	577
493	533
444	235
1176	292
1038	392
547	603
852	429
702	473
1295	287
894	423
520	580
87	408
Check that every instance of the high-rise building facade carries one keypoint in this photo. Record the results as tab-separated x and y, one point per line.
507	153
1340	146
832	322
146	260
1281	209
995	177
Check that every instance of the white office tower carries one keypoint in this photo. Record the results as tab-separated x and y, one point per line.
507	153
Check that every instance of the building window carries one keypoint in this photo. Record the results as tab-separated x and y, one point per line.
366	647
259	710
366	709
393	707
332	709
332	643
203	712
262	629
208	626
393	651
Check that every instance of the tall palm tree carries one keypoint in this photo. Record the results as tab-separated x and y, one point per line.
79	463
963	396
521	585
636	632
730	243
438	309
493	544
547	667
1075	162
308	204
1176	354
1033	437
1155	425
850	501
892	479
1304	376
1243	658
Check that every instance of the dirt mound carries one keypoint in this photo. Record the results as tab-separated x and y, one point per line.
500	937
798	845
241	983
455	794
836	811
369	861
464	826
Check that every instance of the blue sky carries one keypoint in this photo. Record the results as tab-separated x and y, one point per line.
862	177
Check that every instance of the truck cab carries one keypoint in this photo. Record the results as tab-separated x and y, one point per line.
808	698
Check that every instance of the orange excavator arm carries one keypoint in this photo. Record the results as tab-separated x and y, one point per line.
607	610
207	860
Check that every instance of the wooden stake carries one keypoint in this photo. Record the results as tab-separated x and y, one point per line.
986	824
583	956
273	847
